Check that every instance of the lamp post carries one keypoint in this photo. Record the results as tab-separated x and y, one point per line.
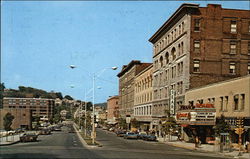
93	134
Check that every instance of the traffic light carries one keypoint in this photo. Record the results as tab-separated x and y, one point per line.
240	122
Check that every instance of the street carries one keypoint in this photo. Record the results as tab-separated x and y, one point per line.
62	144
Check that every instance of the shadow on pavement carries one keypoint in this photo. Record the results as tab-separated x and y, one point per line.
28	155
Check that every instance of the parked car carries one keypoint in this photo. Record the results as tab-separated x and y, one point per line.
28	138
120	133
150	138
142	135
130	135
20	130
57	128
44	132
104	128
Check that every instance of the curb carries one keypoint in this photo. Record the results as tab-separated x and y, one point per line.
15	142
181	146
83	141
80	137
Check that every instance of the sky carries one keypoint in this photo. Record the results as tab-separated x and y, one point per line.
41	39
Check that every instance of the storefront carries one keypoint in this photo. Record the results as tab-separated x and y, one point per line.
197	121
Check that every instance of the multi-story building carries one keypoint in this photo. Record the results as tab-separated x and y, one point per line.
22	117
112	110
40	107
197	46
230	98
143	98
126	87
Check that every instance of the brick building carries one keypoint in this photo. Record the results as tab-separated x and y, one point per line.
22	117
112	110
40	107
126	86
197	46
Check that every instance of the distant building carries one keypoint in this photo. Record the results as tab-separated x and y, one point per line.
127	87
22	117
58	102
112	110
143	108
40	107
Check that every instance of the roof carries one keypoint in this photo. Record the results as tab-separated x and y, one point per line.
125	68
164	27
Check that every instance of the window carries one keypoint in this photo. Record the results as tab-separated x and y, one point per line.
221	103
197	25
233	47
236	102
233	26
191	103
183	25
248	48
249	27
232	67
226	103
196	46
173	53
175	33
242	101
196	65
161	61
248	68
181	48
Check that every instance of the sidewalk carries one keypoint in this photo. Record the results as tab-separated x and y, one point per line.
204	148
9	140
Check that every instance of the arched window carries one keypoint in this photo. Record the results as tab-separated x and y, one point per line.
167	57
173	53
161	61
179	49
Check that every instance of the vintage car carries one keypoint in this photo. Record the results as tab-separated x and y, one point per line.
150	138
45	132
130	135
120	133
28	137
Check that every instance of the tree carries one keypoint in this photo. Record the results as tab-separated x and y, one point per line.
169	125
2	87
122	123
8	118
68	97
135	123
221	126
59	95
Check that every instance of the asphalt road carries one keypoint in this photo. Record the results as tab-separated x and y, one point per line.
62	144
117	147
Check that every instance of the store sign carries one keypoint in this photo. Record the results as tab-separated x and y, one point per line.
196	117
172	102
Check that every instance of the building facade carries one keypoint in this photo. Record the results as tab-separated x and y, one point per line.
112	110
230	98
197	46
22	117
40	107
126	87
143	98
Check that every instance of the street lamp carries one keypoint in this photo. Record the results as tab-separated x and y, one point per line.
93	134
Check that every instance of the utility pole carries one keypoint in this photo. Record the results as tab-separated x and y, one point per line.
240	130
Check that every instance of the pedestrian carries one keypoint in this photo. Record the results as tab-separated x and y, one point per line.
196	141
246	146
